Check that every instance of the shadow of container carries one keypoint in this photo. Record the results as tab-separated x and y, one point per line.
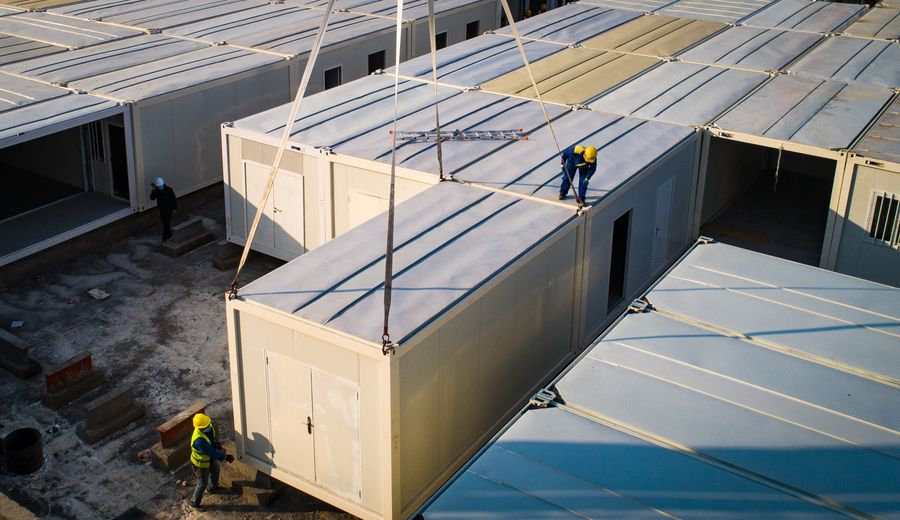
23	451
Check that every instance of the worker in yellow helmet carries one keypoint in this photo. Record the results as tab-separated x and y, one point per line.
206	452
580	159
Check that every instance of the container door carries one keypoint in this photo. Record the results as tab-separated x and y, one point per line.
287	208
255	178
336	427
663	217
290	416
364	206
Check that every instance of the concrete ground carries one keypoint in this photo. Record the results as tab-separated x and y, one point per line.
162	331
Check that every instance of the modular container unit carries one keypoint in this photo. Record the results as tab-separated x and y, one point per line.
805	16
62	30
881	22
812	117
51	197
483	283
356	43
740	391
852	60
13	49
751	48
866	235
179	93
154	15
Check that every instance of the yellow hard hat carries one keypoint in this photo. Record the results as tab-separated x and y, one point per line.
590	154
202	421
579	149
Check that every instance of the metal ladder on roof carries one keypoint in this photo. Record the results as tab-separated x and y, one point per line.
462	135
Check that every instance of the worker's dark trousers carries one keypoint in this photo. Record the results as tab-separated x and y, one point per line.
582	183
206	478
166	217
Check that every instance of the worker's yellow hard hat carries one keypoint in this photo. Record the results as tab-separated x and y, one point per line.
202	421
590	154
579	149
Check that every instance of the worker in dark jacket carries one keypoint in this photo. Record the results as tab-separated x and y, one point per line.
584	161
206	452
166	202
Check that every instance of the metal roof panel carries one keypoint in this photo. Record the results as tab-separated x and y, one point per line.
805	15
752	48
880	22
860	60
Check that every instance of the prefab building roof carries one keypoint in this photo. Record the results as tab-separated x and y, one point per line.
752	48
355	120
853	60
117	55
716	10
680	93
37	4
286	30
154	14
754	387
143	67
882	140
13	49
29	109
805	15
824	114
62	30
881	22
473	234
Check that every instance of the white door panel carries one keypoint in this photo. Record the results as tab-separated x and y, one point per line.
336	428
290	409
288	211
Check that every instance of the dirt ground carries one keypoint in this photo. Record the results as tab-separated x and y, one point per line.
161	331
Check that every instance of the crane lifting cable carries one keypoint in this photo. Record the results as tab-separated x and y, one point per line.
537	93
387	346
432	35
285	136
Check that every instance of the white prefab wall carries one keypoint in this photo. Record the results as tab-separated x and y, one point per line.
454	24
178	135
316	196
660	202
318	401
860	254
465	377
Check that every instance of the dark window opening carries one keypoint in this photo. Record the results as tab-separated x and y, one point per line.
332	78
618	261
440	40
376	61
472	29
884	223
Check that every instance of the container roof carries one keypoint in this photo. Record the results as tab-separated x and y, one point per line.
880	22
355	119
13	49
576	75
805	15
475	61
155	14
716	10
757	387
853	60
37	4
62	30
472	234
412	10
680	93
821	113
286	30
570	23
882	141
102	59
752	48
29	106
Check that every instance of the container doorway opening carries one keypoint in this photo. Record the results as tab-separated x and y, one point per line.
57	183
746	205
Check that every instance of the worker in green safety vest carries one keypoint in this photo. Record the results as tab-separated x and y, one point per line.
206	452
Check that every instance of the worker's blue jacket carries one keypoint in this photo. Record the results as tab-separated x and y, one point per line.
572	160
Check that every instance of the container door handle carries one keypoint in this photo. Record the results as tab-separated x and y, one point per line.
309	425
